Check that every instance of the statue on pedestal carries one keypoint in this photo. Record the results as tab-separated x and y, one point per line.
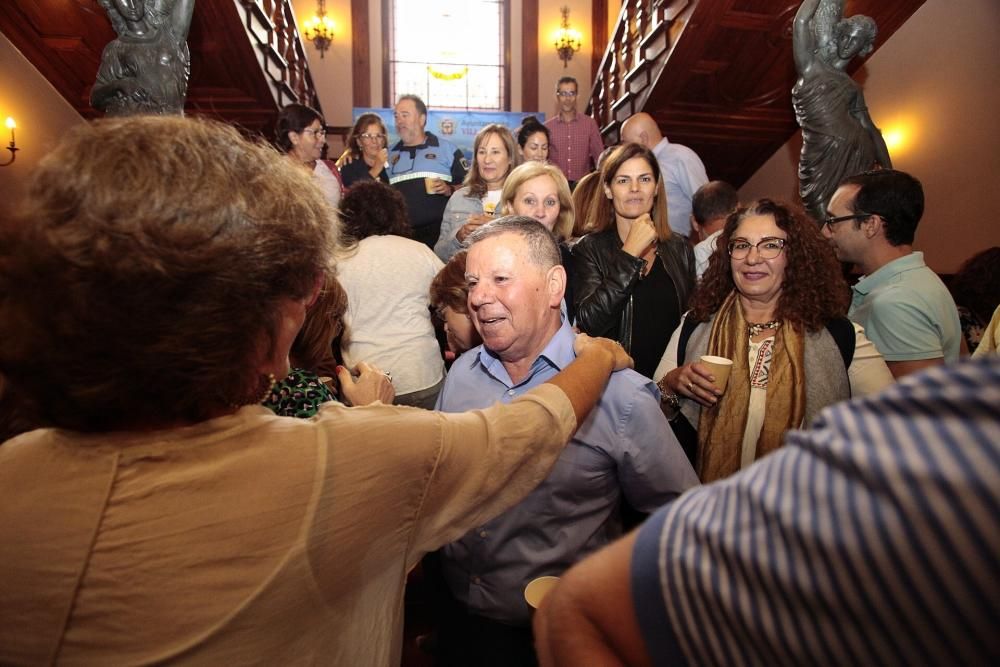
146	69
839	138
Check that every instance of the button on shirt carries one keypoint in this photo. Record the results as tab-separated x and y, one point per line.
907	311
683	173
574	146
624	446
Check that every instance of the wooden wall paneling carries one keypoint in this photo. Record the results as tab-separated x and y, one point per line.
360	55
529	55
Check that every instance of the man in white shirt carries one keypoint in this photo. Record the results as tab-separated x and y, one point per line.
710	206
682	170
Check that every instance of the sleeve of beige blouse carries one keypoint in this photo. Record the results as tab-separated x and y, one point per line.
488	461
868	372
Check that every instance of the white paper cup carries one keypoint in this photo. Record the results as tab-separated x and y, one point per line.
720	367
537	589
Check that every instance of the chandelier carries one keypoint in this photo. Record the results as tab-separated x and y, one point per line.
319	29
567	39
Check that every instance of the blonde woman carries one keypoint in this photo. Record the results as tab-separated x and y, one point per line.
540	191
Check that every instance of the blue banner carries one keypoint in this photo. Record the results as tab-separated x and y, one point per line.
457	126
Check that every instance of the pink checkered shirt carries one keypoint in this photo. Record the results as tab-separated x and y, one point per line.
574	146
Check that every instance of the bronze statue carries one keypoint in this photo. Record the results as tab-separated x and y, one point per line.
146	69
839	138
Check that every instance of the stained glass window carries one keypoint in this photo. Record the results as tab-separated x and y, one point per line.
450	53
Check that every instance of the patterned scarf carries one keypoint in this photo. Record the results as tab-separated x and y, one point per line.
720	429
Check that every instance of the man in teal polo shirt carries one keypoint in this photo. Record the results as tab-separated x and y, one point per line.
904	307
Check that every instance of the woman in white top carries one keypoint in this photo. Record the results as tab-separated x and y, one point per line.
301	133
387	278
773	301
493	156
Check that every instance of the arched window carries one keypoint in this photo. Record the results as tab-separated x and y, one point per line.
452	53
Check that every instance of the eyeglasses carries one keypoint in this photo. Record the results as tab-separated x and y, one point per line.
767	248
566	93
830	222
371	137
321	132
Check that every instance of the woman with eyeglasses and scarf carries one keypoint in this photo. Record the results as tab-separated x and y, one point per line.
774	302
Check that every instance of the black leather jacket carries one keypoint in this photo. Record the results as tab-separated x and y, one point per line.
605	276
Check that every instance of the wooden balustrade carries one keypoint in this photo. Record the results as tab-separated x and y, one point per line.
273	30
638	50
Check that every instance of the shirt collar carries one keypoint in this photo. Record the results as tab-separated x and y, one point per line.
429	140
557	354
576	117
884	273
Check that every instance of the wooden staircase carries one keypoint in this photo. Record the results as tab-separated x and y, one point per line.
247	60
715	74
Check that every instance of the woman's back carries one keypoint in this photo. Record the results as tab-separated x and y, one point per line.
247	538
388	318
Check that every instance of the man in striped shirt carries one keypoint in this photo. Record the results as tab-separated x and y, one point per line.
872	538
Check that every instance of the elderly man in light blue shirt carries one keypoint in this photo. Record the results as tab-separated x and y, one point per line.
624	449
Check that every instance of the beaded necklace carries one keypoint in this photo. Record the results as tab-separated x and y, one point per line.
756	329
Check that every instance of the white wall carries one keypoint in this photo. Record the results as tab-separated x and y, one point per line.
936	79
42	117
550	67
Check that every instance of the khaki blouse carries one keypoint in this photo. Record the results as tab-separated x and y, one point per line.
251	537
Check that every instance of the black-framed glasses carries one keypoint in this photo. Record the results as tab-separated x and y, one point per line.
767	248
566	93
830	222
372	137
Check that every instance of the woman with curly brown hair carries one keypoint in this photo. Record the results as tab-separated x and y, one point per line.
387	277
773	301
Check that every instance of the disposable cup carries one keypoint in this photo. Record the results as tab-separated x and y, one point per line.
720	367
537	589
429	185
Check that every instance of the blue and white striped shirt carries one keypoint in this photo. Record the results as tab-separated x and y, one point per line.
873	538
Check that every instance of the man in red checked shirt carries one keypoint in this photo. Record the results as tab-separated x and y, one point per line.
575	143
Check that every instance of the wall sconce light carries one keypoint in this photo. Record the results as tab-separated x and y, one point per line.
13	146
567	39
319	29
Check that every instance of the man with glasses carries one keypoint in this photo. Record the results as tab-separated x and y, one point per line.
904	307
424	168
575	143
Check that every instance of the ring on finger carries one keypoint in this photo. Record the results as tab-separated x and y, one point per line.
387	375
691	387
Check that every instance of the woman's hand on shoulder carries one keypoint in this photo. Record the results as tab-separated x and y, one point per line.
370	385
693	381
619	357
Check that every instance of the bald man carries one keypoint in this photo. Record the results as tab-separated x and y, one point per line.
682	169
